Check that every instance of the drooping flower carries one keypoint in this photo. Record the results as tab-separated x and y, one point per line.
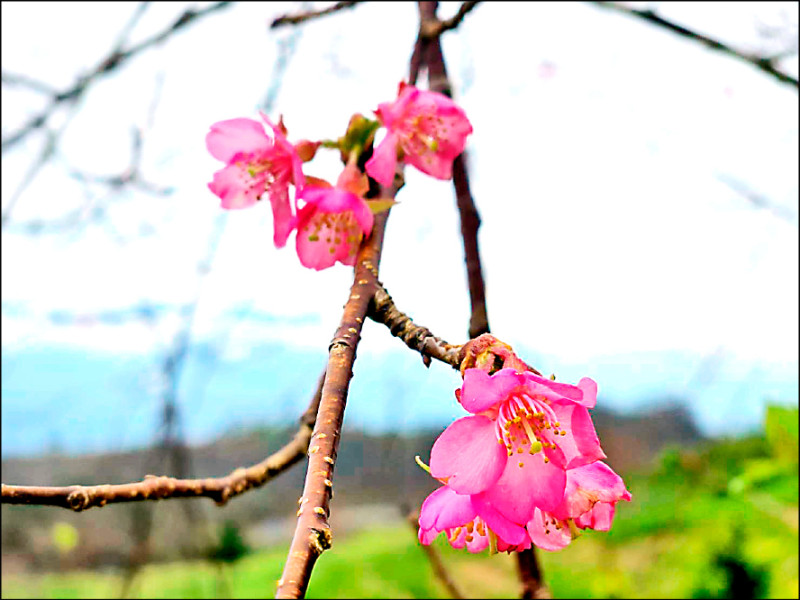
257	163
468	521
333	221
425	129
590	498
525	432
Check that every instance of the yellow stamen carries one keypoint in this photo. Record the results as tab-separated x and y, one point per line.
456	533
422	464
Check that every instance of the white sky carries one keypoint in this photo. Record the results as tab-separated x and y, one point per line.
598	163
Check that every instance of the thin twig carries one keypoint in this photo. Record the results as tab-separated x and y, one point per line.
421	339
756	199
766	64
470	219
111	62
311	14
437	565
312	535
28	82
219	489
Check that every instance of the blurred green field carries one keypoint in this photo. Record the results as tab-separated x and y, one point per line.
716	521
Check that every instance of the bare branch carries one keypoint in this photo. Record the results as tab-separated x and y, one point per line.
470	219
312	535
298	18
383	310
28	82
436	561
111	62
756	199
766	64
219	489
433	28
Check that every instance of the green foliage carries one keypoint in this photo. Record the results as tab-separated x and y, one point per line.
781	427
65	537
231	545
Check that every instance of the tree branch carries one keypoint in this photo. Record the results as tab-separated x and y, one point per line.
114	59
766	64
421	339
298	18
470	219
220	489
530	576
437	565
433	28
312	535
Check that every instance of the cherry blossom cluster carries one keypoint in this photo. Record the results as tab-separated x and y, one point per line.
424	129
525	468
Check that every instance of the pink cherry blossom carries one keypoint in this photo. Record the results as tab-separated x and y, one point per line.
468	521
333	222
525	432
255	164
590	498
426	129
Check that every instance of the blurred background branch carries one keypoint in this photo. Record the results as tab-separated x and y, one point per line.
767	64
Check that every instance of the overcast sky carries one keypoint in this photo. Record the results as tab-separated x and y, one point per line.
611	162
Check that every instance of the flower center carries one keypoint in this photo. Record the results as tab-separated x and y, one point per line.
527	423
420	135
334	229
466	534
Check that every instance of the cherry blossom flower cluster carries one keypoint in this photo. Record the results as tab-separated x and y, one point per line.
424	129
525	468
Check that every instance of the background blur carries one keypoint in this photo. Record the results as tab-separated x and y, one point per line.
638	193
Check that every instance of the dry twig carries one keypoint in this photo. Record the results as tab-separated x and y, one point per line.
115	59
219	489
302	17
437	565
765	63
312	535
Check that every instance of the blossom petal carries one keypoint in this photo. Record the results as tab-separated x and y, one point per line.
235	187
431	163
589	485
479	543
283	219
383	164
557	390
288	150
229	138
599	518
482	391
581	445
330	226
547	536
507	530
467	456
445	509
589	389
520	489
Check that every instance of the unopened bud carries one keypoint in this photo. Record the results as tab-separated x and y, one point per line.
306	149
